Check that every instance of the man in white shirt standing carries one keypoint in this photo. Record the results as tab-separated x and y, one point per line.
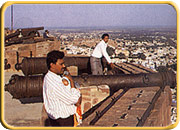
98	52
59	99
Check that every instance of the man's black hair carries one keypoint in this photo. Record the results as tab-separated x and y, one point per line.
103	36
53	56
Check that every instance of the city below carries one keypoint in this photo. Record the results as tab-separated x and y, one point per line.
150	47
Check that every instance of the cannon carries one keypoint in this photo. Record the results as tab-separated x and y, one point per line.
25	32
30	31
37	65
31	86
25	87
12	35
21	35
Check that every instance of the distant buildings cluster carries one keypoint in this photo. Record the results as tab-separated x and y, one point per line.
152	50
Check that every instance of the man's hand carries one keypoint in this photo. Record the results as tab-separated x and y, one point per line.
112	65
69	77
79	101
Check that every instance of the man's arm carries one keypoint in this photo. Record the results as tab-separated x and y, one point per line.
105	54
79	101
71	80
73	86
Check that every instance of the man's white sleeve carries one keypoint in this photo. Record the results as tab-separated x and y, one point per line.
105	54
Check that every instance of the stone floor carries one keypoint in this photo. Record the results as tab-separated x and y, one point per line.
18	114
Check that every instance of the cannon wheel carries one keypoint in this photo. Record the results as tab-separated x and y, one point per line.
37	34
31	34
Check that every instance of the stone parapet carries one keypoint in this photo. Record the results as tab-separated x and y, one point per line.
39	49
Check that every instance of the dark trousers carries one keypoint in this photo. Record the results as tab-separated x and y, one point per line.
69	121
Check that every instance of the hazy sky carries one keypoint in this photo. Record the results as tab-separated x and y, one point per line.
90	15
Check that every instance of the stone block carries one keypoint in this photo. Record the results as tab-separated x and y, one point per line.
73	70
85	99
25	47
95	101
92	95
86	107
104	89
85	93
24	53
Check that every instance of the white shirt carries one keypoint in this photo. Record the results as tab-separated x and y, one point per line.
59	99
100	50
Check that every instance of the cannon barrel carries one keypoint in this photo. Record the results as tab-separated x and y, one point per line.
12	35
116	82
32	29
37	65
31	86
30	32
